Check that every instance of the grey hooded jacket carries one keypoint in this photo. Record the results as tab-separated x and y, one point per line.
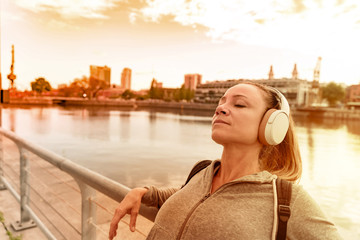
245	208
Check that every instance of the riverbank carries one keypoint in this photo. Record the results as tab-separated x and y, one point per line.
330	113
310	112
151	103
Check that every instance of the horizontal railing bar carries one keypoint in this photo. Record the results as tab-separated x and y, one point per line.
99	182
10	188
39	223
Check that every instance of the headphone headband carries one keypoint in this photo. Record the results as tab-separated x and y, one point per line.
275	123
284	105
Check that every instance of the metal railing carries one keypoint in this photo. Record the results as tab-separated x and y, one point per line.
87	180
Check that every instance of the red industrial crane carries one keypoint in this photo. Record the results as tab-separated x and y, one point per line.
12	76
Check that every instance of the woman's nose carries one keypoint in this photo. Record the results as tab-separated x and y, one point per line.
221	110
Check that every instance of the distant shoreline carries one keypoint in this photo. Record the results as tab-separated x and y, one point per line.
151	103
312	112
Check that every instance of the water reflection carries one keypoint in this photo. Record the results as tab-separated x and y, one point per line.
328	123
90	123
152	122
330	156
311	151
42	116
12	119
124	130
353	127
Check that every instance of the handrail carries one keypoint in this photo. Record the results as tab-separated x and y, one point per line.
108	187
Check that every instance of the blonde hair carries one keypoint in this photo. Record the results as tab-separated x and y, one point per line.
284	159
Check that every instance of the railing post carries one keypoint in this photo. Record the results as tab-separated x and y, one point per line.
25	220
88	211
2	185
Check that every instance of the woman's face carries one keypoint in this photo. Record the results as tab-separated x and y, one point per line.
238	115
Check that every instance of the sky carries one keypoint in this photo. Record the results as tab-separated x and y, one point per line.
166	39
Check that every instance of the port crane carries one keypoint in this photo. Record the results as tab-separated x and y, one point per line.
12	76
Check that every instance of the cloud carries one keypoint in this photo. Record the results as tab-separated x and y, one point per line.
299	6
302	24
132	17
91	9
260	21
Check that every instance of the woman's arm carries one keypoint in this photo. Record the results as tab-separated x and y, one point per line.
155	197
131	203
307	220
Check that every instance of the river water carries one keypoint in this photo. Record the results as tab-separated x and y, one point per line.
142	147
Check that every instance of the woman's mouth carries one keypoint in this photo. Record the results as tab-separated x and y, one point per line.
219	121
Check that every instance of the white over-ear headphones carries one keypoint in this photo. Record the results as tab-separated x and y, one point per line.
275	123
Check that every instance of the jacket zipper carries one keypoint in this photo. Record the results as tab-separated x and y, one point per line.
201	201
197	204
190	213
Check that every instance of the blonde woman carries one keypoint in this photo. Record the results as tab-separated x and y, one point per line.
235	197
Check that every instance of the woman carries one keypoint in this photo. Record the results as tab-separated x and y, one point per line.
233	198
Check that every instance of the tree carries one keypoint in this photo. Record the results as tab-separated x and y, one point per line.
127	94
95	85
65	91
189	94
40	85
79	87
87	86
155	92
333	93
184	94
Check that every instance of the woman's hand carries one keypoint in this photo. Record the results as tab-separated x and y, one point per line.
129	205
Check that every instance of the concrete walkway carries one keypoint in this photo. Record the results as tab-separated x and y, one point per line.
11	210
56	200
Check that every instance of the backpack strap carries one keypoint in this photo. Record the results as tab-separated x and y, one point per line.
197	168
283	189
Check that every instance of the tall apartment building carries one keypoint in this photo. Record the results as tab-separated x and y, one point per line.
192	80
101	73
126	78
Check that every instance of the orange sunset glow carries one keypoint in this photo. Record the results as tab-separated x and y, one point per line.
229	39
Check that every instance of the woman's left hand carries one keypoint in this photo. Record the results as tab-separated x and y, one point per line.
129	205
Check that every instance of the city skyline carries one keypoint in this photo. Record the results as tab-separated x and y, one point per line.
165	40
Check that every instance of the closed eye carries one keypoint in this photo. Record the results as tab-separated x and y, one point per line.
239	105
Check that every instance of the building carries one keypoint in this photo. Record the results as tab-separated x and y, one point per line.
295	73
191	81
353	93
353	96
114	91
101	73
271	73
298	92
295	90
62	85
126	78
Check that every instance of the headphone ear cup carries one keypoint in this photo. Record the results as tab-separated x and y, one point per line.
262	126
273	127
